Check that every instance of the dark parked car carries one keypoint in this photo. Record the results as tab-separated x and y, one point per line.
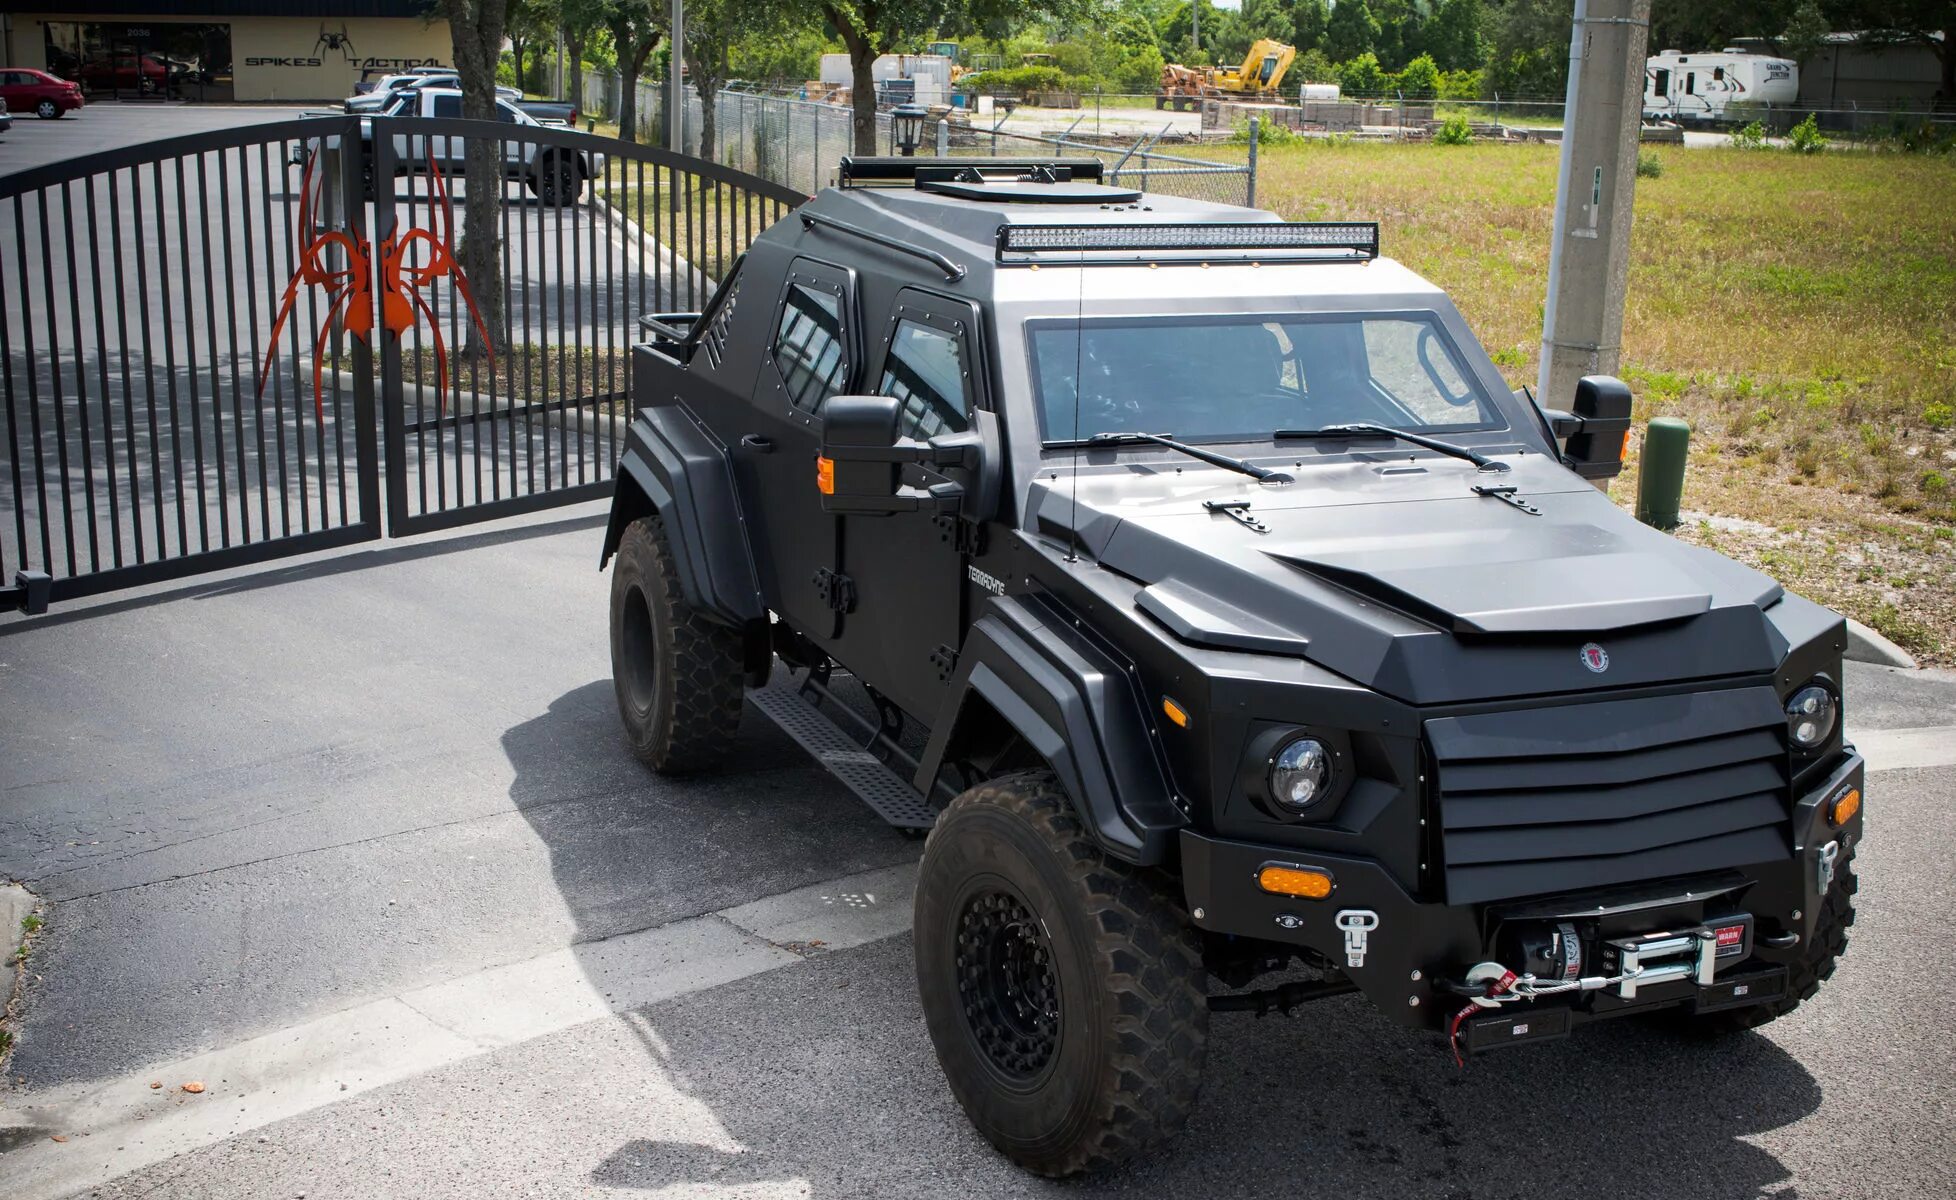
44	95
1195	578
126	72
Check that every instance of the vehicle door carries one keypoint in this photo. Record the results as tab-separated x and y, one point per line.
908	568
517	147
13	91
814	351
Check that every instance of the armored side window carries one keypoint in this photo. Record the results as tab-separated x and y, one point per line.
808	347
926	369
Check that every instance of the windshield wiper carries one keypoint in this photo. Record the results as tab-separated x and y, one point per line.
1367	429
1263	475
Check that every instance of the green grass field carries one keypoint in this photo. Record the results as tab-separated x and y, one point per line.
1799	312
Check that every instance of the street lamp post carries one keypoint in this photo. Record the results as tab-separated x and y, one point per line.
907	127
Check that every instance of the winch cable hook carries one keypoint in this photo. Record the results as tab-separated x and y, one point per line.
1498	981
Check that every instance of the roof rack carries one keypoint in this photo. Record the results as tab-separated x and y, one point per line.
860	171
1109	243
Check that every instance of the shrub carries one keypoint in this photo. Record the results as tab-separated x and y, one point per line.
1313	67
1939	415
1420	80
1023	80
1268	133
1362	76
1649	165
1918	137
1454	131
1460	85
1752	137
1806	138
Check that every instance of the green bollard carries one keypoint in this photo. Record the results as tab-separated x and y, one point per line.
1660	479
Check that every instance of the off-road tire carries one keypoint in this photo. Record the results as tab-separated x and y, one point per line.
1805	974
557	179
1132	1011
678	673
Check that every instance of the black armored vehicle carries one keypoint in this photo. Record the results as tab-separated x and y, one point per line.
1238	634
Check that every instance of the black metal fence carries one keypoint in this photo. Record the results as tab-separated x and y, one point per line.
215	348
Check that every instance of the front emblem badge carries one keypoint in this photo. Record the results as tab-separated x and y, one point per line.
1357	924
1595	658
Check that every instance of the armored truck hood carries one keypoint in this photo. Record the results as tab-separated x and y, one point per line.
1398	575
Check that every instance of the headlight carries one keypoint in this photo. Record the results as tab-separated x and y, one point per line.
1300	775
1811	716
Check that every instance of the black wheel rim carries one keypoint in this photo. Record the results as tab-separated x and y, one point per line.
1007	984
639	668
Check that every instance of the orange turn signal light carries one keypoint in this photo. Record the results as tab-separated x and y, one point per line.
825	475
1310	883
1175	712
1845	807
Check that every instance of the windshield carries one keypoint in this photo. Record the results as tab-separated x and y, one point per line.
1244	377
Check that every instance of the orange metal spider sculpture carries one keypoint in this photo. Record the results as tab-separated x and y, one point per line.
351	288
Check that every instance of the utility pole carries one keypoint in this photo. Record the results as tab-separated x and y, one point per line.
675	81
1589	260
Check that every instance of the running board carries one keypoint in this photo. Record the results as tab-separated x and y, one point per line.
888	793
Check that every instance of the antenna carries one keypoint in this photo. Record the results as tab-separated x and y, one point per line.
1079	382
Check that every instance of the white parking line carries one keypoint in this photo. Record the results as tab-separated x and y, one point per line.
1902	749
112	1127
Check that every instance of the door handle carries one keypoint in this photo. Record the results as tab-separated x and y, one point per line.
756	443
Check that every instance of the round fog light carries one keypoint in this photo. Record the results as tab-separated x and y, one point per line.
1300	775
1810	717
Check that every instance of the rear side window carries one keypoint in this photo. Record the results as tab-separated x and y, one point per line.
448	106
808	347
926	370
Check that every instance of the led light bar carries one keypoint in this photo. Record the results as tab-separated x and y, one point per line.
1231	241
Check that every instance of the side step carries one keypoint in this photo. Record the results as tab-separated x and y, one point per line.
881	788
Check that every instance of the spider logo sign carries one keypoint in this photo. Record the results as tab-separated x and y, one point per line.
398	267
338	39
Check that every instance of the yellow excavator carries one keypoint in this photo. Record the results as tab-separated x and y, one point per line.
1257	79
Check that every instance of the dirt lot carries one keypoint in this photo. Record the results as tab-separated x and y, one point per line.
1799	312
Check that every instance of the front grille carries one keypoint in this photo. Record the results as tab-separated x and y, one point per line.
1537	801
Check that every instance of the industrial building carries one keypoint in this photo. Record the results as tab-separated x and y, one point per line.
222	50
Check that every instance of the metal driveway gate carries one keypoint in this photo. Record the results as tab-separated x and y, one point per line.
188	332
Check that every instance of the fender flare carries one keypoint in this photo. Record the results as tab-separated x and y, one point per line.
1078	708
673	467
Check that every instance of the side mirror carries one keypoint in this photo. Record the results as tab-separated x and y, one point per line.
864	456
1595	430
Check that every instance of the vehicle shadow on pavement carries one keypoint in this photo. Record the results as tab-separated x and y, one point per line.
823	1078
630	849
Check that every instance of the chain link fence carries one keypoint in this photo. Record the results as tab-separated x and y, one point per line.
797	142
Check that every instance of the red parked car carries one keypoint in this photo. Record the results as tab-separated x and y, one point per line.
46	96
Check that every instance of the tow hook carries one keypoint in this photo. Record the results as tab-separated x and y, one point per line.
1824	865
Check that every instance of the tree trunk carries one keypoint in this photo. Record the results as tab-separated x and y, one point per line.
476	27
516	52
1946	53
862	92
574	69
709	122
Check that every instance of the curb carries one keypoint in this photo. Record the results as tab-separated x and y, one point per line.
1865	645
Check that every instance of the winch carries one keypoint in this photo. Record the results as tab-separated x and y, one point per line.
1550	957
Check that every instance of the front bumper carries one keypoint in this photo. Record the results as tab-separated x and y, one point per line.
1402	951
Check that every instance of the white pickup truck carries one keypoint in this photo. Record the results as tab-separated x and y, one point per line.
556	174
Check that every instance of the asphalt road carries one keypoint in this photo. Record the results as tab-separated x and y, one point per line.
353	843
